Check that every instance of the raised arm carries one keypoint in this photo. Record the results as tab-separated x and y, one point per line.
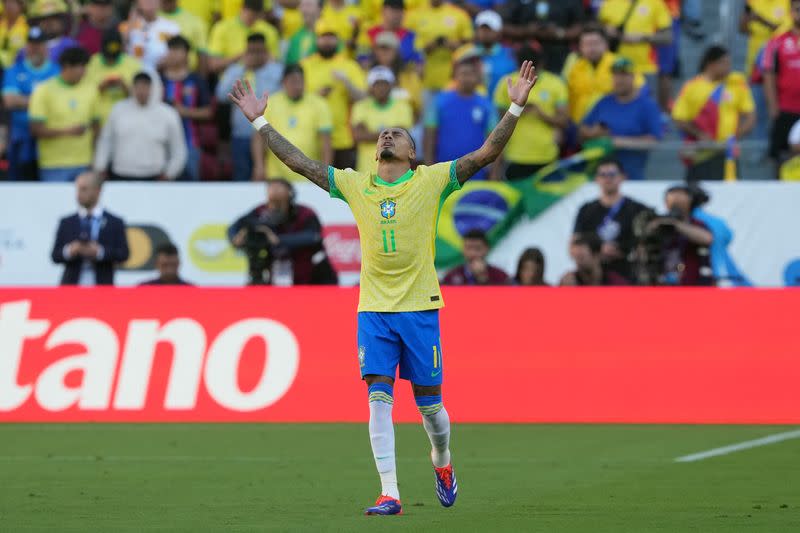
253	107
468	165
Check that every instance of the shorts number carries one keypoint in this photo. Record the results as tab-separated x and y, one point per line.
388	242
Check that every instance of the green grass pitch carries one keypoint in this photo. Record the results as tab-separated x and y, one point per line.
319	477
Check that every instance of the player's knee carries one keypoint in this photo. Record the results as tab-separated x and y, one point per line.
381	392
371	379
429	405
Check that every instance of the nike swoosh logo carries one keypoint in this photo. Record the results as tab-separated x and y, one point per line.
367	191
435	373
379	458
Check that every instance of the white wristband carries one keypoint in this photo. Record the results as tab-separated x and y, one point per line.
259	123
515	109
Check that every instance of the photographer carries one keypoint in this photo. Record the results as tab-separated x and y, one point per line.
283	241
674	249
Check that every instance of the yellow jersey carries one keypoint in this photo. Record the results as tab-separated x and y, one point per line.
12	40
125	67
300	122
204	9
229	37
534	142
319	75
396	114
397	228
735	99
59	105
345	20
431	23
648	18
587	83
775	11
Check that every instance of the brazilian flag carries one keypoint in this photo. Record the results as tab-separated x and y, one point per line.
495	206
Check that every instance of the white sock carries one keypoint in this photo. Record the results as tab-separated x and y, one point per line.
438	428
381	436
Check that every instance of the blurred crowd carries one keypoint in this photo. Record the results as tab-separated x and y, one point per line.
136	90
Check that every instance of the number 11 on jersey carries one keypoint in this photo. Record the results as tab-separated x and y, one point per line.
388	244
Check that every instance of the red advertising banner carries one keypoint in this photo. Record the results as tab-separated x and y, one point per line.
510	355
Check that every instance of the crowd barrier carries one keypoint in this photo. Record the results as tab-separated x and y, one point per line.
510	354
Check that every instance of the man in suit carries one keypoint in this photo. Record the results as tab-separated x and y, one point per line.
91	242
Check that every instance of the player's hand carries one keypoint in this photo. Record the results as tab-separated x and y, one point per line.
518	92
242	95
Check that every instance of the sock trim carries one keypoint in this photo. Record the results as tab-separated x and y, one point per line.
429	405
381	392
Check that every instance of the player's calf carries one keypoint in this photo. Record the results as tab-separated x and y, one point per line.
437	425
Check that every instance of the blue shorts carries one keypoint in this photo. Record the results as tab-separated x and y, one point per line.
410	340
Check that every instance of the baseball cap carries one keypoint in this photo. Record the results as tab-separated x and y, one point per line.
112	43
47	8
36	35
467	52
622	65
387	38
380	73
397	4
489	18
324	27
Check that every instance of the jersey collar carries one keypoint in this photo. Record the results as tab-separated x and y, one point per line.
405	177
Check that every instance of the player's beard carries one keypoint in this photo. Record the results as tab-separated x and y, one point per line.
386	154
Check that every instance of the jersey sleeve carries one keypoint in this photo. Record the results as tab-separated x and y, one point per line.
10	84
746	102
681	110
443	178
37	109
342	183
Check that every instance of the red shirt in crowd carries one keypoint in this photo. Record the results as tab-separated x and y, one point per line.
782	56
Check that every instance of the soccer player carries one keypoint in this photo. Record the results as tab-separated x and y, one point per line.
398	320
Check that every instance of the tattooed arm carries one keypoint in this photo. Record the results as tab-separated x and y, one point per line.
292	157
253	107
468	165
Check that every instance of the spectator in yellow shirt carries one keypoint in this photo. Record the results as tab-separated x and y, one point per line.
228	39
374	114
715	106
535	142
408	86
589	75
640	26
303	118
63	117
346	19
759	21
13	31
339	80
111	71
441	29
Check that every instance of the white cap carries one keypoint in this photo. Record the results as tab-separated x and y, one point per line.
380	73
489	18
